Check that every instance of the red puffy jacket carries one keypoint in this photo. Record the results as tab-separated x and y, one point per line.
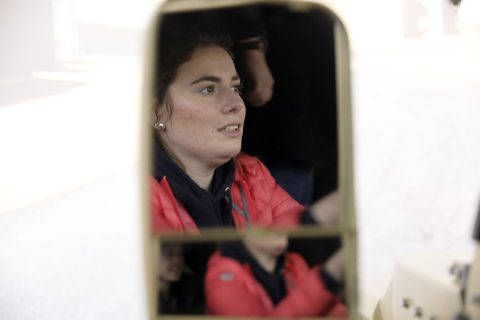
255	197
232	290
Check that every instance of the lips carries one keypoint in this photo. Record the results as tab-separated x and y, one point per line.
230	128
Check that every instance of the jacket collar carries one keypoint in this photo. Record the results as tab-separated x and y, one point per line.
207	209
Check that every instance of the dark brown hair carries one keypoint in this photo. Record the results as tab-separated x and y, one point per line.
175	47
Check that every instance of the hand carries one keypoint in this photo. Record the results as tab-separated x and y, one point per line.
261	77
326	210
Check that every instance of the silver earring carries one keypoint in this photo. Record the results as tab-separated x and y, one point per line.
160	126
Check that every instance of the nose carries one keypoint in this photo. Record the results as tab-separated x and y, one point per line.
233	103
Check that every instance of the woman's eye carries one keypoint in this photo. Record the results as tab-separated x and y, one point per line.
238	88
208	90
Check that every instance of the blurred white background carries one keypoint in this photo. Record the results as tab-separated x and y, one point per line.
70	84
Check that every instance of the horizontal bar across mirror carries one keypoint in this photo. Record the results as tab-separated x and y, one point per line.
227	233
258	273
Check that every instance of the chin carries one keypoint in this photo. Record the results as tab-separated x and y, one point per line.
230	152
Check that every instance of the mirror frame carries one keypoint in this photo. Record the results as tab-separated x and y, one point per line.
347	229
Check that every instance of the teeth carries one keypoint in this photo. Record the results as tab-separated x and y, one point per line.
231	128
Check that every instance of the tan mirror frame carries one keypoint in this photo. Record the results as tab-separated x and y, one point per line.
347	228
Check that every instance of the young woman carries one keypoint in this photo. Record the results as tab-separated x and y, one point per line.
200	179
257	277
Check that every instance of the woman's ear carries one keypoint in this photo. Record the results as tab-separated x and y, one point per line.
156	111
155	116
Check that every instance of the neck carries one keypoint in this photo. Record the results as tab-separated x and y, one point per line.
202	176
199	172
266	261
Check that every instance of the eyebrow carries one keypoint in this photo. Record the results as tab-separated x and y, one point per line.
213	79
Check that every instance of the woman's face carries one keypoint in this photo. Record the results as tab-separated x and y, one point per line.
206	122
171	263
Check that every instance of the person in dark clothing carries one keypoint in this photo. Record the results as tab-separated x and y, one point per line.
295	133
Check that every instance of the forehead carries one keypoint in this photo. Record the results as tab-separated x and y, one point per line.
211	60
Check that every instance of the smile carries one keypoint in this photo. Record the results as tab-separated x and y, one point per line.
231	128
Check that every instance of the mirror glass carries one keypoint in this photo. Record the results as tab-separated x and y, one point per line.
244	134
259	79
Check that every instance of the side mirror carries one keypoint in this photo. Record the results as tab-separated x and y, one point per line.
304	128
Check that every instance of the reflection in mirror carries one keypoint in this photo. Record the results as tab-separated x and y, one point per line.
284	59
257	274
243	116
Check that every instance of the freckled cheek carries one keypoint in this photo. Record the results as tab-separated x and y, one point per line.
183	116
196	124
196	118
